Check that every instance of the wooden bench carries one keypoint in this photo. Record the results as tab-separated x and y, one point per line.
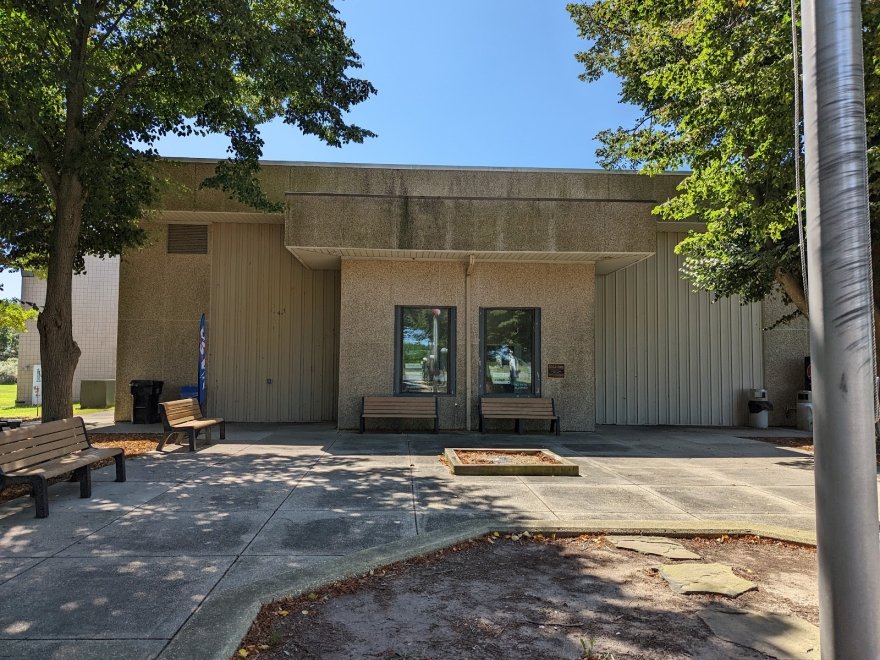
518	409
36	453
409	407
185	416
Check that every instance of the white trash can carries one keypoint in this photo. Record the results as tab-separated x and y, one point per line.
759	409
805	410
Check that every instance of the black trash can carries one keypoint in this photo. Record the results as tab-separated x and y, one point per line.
145	401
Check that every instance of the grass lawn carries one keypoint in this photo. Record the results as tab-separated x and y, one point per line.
8	409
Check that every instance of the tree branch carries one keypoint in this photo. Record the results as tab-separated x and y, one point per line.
124	88
115	23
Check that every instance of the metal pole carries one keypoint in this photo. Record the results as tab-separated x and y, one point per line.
841	330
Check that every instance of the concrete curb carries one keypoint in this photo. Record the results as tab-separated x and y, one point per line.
216	628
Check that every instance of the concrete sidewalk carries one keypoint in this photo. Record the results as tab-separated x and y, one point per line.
119	574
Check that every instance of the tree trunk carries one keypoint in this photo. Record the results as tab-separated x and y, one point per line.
794	291
59	353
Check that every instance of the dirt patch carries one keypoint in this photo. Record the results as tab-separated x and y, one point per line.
490	457
134	444
526	597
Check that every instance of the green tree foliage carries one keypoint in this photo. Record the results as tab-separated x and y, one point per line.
87	88
13	318
714	82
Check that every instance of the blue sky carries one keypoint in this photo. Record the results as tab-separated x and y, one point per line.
461	82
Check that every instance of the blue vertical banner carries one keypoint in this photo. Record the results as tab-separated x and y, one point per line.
203	360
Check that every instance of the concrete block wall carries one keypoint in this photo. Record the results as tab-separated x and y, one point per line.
95	307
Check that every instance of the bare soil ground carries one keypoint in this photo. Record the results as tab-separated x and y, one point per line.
134	444
490	457
523	597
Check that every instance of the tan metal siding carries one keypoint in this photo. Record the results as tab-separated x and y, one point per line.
270	318
667	355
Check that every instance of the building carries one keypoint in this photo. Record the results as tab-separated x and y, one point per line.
461	282
95	297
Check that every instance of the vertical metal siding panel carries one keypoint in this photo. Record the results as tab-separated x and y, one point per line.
715	356
337	310
653	383
685	323
317	344
620	346
296	368
704	363
282	313
736	362
641	327
306	345
276	284
329	333
726	405
600	349
631	348
674	330
257	326
663	336
611	356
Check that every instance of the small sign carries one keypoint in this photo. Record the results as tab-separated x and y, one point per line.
556	371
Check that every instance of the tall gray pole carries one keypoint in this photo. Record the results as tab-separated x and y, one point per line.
841	329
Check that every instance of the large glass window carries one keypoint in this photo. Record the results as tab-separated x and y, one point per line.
510	351
425	360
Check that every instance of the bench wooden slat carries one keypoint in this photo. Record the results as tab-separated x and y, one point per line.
185	416
519	409
32	454
69	463
403	415
35	443
399	408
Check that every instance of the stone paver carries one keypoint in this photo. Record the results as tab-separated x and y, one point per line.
697	578
127	567
776	635
653	545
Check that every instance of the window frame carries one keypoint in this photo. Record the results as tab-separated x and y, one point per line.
536	367
452	356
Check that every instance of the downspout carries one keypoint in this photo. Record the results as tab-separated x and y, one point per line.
467	337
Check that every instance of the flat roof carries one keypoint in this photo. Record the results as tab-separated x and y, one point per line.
396	166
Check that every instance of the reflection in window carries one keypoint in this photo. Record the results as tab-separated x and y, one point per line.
510	351
425	350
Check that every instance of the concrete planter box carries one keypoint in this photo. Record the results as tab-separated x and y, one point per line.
561	467
97	393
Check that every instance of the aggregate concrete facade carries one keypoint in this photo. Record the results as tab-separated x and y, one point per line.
370	290
785	347
473	210
162	299
403	235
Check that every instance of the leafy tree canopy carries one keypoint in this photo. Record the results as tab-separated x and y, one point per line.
88	87
714	81
13	317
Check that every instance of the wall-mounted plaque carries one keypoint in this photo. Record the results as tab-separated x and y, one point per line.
556	371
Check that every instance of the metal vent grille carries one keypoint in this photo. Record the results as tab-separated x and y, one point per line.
187	239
